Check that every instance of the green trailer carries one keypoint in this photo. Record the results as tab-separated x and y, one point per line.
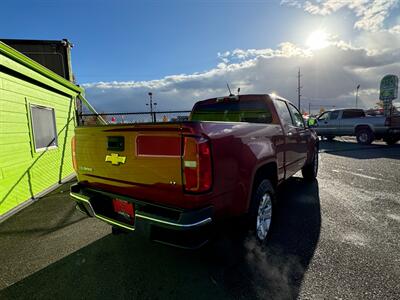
37	120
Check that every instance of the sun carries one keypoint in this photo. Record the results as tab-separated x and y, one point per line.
318	39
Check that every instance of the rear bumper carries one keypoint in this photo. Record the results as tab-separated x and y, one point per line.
183	228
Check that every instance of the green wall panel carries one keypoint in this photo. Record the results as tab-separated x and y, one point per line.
23	171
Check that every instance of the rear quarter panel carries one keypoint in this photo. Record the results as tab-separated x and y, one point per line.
238	149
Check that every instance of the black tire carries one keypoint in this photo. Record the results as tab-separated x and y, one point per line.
310	171
364	136
263	194
391	141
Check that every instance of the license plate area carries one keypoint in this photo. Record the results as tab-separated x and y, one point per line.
124	210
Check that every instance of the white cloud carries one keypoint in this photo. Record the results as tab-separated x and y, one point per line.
285	49
384	40
294	3
330	76
395	29
370	14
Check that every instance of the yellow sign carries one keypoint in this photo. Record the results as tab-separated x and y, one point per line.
115	159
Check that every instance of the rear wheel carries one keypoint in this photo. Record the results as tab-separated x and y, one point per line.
364	136
261	210
310	171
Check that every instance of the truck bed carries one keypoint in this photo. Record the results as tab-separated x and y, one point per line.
145	160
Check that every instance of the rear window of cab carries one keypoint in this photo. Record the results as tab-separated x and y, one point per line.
252	111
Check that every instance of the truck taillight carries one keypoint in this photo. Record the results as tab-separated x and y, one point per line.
196	163
73	147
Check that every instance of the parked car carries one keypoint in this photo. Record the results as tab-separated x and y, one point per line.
172	180
354	122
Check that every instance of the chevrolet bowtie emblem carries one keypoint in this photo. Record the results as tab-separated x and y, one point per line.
115	159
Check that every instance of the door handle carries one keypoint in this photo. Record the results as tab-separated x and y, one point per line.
326	122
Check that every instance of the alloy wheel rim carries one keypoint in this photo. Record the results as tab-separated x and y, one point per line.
264	216
363	137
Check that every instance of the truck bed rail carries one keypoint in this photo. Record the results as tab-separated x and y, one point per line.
88	119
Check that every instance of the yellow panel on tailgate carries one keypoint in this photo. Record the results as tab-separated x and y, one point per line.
129	155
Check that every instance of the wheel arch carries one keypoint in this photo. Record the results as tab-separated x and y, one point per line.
310	149
363	126
266	170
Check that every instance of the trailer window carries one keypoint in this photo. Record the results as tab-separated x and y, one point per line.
43	127
233	111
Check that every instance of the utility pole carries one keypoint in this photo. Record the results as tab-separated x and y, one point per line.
298	90
153	119
309	108
357	88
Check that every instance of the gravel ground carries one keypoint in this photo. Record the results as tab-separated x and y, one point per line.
336	238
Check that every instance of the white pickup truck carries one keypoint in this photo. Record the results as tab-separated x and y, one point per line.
354	122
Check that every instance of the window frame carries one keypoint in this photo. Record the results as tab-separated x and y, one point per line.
291	114
283	121
40	106
324	113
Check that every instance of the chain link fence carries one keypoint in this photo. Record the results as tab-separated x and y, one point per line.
87	119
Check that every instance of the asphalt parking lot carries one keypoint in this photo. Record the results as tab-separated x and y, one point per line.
336	238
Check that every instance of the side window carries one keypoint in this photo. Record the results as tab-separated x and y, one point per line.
283	112
43	123
348	114
334	115
296	115
324	116
360	114
255	112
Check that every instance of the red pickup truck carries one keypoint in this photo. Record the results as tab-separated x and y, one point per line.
172	180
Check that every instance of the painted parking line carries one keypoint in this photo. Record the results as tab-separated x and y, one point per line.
360	175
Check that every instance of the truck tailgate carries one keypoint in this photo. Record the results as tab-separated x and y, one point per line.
140	160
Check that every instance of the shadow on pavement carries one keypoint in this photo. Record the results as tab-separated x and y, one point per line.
357	151
44	217
233	266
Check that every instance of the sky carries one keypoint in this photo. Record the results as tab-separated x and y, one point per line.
185	51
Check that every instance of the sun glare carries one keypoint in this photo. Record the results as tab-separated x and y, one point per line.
317	40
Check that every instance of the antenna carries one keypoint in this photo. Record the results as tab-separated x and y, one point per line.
229	89
238	91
